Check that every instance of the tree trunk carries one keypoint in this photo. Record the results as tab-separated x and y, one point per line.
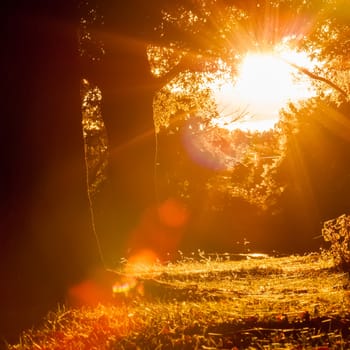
128	89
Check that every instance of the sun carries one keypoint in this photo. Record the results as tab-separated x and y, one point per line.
264	84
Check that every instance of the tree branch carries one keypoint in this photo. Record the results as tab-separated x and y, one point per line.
317	77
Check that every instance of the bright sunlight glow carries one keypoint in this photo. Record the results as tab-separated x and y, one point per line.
265	83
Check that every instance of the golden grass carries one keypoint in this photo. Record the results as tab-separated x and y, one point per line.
181	304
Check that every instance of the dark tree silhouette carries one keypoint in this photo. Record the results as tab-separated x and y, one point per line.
128	89
46	241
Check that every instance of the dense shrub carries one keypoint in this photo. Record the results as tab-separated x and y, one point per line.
337	232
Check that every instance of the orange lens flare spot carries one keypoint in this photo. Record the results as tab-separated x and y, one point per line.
141	261
145	257
172	213
94	290
89	293
124	286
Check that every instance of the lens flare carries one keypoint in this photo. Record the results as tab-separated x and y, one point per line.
217	148
140	262
172	213
124	286
96	289
266	82
250	103
158	233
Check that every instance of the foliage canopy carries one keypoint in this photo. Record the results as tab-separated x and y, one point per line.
202	45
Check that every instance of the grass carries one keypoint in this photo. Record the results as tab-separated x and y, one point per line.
211	302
